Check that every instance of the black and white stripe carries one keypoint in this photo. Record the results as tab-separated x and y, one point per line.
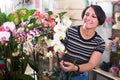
79	49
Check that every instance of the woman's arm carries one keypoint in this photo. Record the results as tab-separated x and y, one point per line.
94	60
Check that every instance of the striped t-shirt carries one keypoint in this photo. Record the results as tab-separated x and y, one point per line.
79	49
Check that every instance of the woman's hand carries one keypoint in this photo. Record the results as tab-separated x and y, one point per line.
67	66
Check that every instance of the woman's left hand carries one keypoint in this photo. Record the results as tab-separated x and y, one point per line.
67	66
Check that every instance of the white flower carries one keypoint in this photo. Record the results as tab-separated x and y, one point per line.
48	41
55	42
21	29
59	28
29	25
49	54
9	25
5	35
66	21
59	35
59	48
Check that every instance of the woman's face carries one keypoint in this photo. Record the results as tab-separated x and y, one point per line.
90	19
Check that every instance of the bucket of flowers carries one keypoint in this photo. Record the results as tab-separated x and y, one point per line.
109	22
31	37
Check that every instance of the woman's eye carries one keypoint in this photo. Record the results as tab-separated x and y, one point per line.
87	14
94	16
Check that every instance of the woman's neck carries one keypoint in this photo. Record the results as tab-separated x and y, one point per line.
87	33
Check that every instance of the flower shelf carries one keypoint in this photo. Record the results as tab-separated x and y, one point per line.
116	32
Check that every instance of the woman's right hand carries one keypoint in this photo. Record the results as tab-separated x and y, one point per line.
67	66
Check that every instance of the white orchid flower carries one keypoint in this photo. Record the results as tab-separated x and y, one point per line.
59	28
49	54
59	35
21	29
48	41
59	48
29	25
67	22
55	42
9	25
5	35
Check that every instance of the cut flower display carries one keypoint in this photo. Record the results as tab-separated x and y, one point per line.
109	22
31	37
109	19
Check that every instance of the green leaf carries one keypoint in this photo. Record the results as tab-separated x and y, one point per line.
61	14
50	12
2	77
24	77
33	65
32	11
2	18
38	66
11	17
24	64
23	13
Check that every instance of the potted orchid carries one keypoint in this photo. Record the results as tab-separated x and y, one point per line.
10	52
49	44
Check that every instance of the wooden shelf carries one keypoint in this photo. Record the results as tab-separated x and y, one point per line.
105	74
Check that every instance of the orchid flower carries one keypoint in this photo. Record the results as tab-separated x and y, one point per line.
9	26
4	36
59	48
59	35
49	54
67	22
59	28
55	42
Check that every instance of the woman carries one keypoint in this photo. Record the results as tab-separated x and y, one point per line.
84	45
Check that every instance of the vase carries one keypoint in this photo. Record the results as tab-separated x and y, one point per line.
108	24
113	49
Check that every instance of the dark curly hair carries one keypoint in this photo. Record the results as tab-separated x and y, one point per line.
98	11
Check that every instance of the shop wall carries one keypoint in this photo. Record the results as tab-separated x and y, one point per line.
73	8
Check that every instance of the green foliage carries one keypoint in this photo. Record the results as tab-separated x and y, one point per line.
38	66
50	12
2	18
20	14
11	17
62	14
32	11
